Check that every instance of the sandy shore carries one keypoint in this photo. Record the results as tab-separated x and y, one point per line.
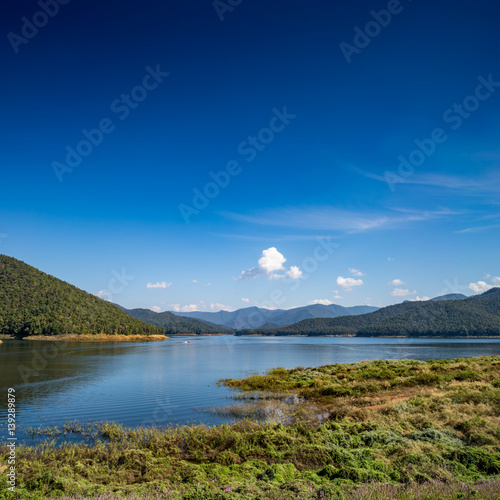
97	338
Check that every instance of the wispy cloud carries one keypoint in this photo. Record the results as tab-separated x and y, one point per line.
327	218
158	284
474	185
186	308
323	302
355	272
477	229
400	292
276	238
396	282
221	307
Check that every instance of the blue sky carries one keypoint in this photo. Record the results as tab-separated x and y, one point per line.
270	153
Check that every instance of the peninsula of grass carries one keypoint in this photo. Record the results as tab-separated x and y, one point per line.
387	429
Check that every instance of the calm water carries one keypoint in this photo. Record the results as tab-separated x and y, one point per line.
164	382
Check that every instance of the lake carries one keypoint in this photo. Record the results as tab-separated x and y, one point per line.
172	382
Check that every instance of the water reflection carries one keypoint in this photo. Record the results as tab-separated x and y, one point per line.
162	383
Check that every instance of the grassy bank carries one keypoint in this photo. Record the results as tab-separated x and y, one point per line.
98	337
395	429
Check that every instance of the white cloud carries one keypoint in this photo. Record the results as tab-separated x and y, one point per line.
396	282
348	283
355	272
221	307
158	284
390	259
480	287
187	308
250	273
422	298
271	261
323	302
245	300
294	272
496	280
207	284
400	292
338	297
156	309
103	294
275	276
195	281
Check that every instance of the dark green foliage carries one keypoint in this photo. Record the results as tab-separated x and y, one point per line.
474	316
35	303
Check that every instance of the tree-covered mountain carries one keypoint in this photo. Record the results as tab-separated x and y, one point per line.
174	324
473	316
35	303
257	317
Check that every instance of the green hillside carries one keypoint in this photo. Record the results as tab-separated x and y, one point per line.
474	316
177	325
35	303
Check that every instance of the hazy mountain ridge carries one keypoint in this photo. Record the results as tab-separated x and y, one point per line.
471	316
176	325
450	296
256	317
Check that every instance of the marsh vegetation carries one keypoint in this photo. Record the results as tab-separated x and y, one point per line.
394	429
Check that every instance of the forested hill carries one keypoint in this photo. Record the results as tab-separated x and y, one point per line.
35	303
475	316
176	325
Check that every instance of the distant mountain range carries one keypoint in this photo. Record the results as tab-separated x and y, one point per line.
256	317
35	303
174	324
459	317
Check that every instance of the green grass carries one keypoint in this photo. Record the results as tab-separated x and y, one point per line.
402	429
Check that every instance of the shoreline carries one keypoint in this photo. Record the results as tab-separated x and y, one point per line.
100	337
372	336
